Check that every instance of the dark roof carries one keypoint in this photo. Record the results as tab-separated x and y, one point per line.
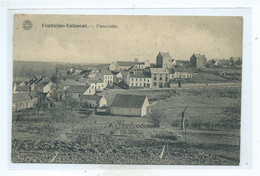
159	70
91	97
165	55
128	63
199	56
68	82
22	88
38	80
128	101
43	84
77	89
94	80
140	74
33	94
18	97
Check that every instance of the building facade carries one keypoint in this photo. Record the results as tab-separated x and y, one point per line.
139	79
164	60
198	61
130	105
160	77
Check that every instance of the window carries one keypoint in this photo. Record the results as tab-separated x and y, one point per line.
154	78
160	78
136	84
154	84
132	79
136	79
132	84
147	80
160	85
144	79
166	79
140	84
140	79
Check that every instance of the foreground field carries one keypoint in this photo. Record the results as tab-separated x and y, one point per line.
62	136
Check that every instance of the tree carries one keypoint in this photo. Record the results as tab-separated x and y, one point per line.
156	118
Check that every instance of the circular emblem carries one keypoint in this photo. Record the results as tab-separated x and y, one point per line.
27	25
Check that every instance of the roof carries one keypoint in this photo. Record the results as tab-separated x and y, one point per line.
172	70
106	72
68	82
91	97
159	70
18	97
33	94
43	84
94	80
38	80
22	88
128	63
139	74
77	88
165	55
128	101
199	56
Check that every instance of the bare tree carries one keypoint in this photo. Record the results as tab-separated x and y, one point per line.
156	118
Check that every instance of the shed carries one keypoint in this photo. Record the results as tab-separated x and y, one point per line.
130	105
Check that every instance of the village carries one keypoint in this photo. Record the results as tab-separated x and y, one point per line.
130	112
89	85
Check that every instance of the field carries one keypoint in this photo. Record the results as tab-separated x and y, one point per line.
65	136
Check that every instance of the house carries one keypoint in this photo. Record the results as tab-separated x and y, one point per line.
23	101
126	65
198	61
44	87
96	84
164	60
75	91
160	77
94	101
106	76
20	89
130	105
179	74
139	79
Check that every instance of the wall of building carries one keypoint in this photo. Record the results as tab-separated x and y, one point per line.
160	80
125	111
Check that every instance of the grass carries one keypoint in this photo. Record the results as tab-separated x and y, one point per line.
96	139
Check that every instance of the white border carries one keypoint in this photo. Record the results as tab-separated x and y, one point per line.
6	52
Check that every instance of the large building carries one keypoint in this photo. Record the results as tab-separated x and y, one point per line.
198	61
23	101
139	79
164	60
126	65
159	77
130	105
179	74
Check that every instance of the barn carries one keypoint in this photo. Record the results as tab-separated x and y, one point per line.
130	105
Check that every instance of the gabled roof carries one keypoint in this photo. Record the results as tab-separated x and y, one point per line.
18	97
199	56
94	80
77	89
43	84
33	94
128	101
159	70
22	88
165	55
91	97
139	74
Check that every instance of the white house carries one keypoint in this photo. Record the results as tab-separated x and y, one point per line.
94	101
106	76
139	79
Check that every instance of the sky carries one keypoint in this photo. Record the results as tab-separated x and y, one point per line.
141	37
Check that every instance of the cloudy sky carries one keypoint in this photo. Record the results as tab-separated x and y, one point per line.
139	37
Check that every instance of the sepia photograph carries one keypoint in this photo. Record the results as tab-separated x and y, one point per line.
127	89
